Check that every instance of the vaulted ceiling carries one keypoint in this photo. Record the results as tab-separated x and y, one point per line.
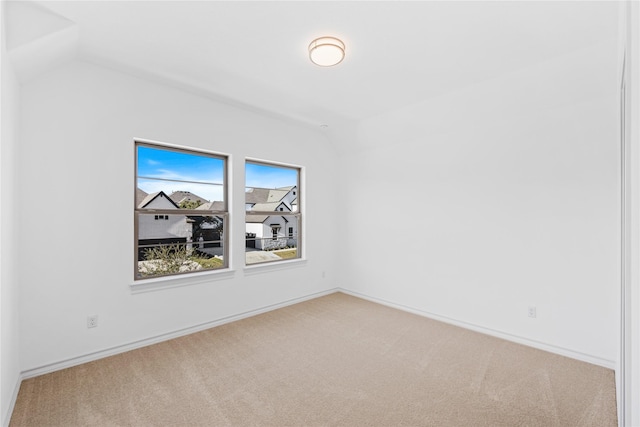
255	53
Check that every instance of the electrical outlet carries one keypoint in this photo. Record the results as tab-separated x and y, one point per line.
92	321
532	311
323	274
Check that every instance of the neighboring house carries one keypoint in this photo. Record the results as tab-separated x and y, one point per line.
140	196
268	231
271	231
179	197
212	206
287	195
204	231
210	228
161	228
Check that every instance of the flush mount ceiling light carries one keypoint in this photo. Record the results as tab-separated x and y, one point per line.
326	51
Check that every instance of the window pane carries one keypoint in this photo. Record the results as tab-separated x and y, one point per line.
180	211
179	244
190	177
271	238
258	175
164	163
184	195
271	191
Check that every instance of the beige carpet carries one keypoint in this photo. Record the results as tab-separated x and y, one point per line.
335	360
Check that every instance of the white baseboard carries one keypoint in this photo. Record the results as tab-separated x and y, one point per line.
63	364
67	363
610	364
12	403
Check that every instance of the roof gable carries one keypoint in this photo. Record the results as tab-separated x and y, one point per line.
155	196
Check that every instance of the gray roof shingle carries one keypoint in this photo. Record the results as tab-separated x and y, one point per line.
180	196
140	195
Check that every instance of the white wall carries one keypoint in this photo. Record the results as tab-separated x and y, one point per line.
9	125
512	185
630	348
477	204
79	123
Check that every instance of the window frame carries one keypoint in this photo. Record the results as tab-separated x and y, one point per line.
159	213
297	214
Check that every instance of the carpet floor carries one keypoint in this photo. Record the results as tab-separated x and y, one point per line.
331	361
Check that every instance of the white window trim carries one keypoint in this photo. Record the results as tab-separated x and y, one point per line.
301	211
183	279
180	280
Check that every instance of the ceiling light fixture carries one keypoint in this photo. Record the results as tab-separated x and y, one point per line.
326	51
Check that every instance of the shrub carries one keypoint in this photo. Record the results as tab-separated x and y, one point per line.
167	259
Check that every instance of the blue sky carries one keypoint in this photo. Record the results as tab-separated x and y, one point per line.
207	172
169	168
263	176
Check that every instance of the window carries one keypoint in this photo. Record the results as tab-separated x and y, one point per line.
186	189
272	208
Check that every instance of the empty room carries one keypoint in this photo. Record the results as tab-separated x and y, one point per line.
313	213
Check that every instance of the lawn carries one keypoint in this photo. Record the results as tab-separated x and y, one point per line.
208	263
287	253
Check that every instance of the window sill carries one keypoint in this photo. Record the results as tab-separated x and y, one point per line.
272	266
170	282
